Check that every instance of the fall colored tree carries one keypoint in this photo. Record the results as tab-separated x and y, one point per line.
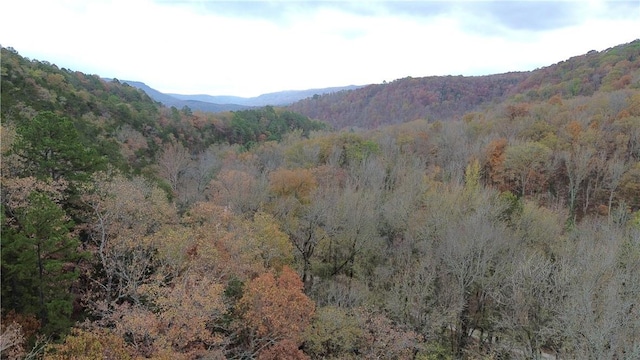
495	163
274	309
89	344
526	162
298	183
126	213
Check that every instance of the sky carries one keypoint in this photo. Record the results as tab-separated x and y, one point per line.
248	48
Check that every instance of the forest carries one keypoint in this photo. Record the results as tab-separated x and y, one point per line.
500	219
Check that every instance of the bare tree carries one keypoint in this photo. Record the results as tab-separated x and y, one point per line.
600	318
577	163
173	164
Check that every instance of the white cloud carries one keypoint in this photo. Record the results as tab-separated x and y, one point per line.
227	48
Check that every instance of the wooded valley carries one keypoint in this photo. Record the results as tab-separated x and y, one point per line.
489	217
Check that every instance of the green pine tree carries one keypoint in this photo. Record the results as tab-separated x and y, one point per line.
38	264
52	148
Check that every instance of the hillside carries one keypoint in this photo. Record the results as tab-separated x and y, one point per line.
439	97
612	69
449	97
125	121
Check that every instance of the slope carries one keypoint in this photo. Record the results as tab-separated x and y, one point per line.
449	97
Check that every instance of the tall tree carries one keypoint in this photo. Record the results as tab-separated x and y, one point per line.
174	162
526	162
38	256
275	311
51	147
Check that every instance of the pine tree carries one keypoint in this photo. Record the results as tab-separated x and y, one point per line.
51	147
38	257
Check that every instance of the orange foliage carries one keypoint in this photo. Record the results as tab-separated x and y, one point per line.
329	176
275	309
17	190
495	163
514	111
214	247
555	100
574	129
296	182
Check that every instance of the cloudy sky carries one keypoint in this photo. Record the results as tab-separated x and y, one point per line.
246	48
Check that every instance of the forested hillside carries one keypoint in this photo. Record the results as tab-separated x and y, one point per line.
402	100
450	97
510	231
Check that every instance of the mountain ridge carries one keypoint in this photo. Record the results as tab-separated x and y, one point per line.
221	103
278	98
169	100
450	97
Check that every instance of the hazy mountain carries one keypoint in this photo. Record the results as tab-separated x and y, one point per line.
194	104
210	103
276	98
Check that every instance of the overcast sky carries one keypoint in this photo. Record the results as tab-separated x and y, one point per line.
247	48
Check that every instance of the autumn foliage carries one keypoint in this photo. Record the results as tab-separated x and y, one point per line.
494	217
275	313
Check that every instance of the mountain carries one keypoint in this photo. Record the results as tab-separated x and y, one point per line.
436	97
450	97
209	103
275	99
179	102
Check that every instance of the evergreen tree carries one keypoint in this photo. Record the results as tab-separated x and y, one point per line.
52	148
38	256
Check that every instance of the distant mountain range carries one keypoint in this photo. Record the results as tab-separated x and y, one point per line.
221	103
435	97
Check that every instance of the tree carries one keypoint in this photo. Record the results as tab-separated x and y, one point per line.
241	191
126	215
334	333
38	263
12	340
531	299
298	183
302	223
274	310
351	228
615	169
174	161
469	258
185	312
599	316
51	148
526	162
89	344
270	245
577	164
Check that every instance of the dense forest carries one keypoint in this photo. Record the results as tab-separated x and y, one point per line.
450	97
502	224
